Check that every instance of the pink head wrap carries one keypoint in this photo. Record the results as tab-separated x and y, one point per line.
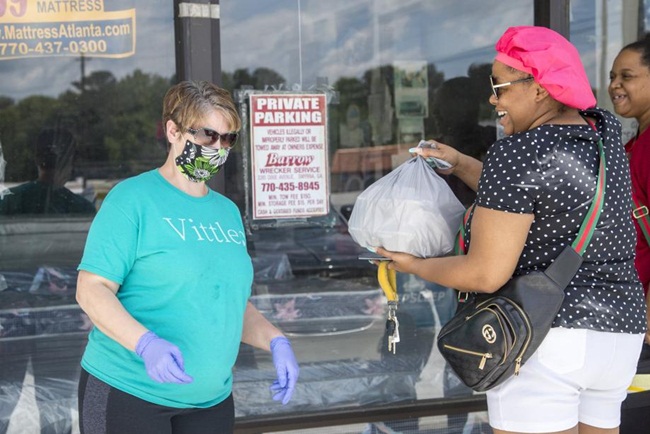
551	59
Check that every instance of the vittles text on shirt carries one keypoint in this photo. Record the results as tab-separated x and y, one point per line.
212	232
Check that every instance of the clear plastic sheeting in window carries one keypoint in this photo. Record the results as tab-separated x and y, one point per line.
42	336
337	328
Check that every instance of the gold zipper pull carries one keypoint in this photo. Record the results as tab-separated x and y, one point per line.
484	359
517	365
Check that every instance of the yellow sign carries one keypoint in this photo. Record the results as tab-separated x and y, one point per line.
38	28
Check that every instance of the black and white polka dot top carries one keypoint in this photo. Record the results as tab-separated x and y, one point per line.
551	171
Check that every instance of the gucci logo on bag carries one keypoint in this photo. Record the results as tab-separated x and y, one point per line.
488	334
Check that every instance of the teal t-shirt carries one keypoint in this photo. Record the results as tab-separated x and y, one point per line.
184	273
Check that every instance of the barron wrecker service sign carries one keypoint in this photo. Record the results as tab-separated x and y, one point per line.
289	155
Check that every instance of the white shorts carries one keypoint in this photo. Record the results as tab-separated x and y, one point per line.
576	375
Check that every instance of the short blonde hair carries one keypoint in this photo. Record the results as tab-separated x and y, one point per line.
188	102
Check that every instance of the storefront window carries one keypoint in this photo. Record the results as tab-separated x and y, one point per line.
80	99
599	30
389	70
391	73
81	86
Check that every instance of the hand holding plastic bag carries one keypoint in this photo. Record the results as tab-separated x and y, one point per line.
411	210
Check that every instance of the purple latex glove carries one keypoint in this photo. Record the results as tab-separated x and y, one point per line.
163	360
286	368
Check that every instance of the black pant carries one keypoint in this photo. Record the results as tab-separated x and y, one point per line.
106	410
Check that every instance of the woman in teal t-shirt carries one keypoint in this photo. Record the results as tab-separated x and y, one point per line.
165	278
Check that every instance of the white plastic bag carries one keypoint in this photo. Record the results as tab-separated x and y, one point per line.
411	209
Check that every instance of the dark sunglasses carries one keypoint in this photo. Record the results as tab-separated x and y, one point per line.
495	87
208	137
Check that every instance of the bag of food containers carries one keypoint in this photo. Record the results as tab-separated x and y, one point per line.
411	209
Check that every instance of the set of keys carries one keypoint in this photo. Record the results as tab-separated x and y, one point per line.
388	281
392	326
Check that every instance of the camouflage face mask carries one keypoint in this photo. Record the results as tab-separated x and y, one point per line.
200	163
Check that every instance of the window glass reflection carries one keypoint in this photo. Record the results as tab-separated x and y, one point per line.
599	31
108	104
73	123
394	73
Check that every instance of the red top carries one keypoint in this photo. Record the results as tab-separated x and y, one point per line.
638	151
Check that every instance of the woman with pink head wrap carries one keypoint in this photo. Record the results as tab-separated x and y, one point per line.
533	191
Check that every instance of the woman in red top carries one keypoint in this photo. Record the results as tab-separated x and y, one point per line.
629	89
